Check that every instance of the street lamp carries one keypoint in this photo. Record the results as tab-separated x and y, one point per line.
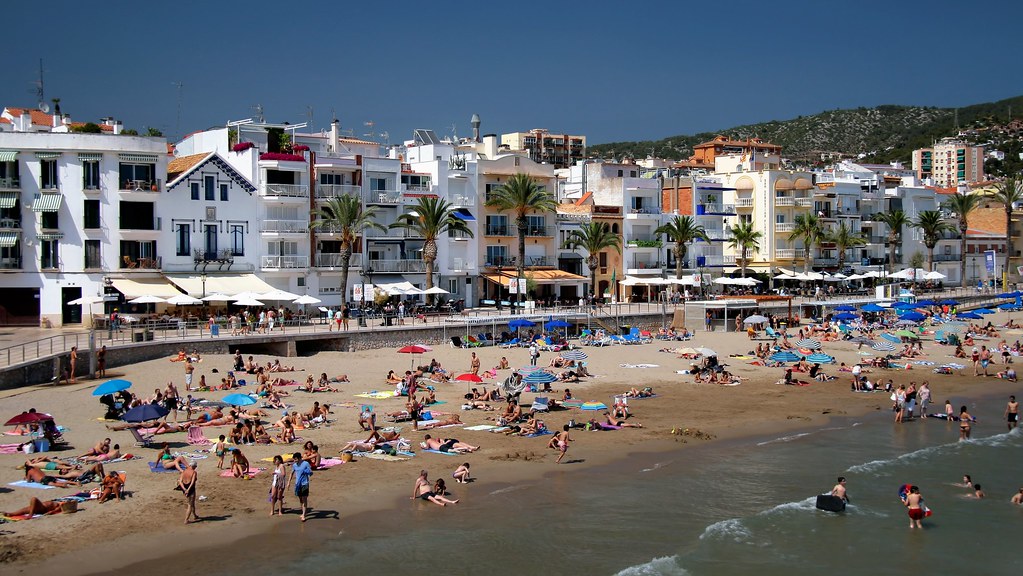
203	278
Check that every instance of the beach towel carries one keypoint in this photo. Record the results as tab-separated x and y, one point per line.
401	457
252	472
481	427
443	453
639	397
329	463
155	467
572	403
26	484
639	365
426	422
500	429
378	395
10	448
540	433
593	406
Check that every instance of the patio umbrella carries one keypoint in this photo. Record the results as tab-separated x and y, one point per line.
1007	306
914	316
521	323
935	275
217	297
435	290
239	400
278	296
755	319
86	300
861	340
468	378
968	316
556	324
706	352
28	418
891	338
248	302
539	377
593	406
183	300
873	308
846	316
883	346
907	334
413	349
949	302
809	343
306	299
144	413
906	322
111	386
785	356
147	299
904	305
983	311
820	358
784	277
845	308
574	355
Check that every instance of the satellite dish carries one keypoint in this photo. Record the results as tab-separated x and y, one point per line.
44	107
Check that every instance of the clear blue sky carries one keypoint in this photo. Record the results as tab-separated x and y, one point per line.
610	70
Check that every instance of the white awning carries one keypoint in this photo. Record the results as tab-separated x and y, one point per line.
135	287
138	158
222	283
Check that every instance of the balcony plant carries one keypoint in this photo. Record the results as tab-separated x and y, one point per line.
300	148
282	157
242	146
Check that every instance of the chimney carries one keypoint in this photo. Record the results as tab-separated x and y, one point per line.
26	121
118	127
56	112
475	127
490	146
335	134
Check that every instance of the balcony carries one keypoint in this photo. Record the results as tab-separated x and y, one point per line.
947	257
325	191
784	201
148	264
804	202
500	262
643	214
826	261
283	226
461	200
10	184
785	254
743	203
11	263
540	232
391	233
719	209
333	260
784	227
461	265
881	240
381	196
644	266
497	230
10	223
141	186
284	191
283	262
400	266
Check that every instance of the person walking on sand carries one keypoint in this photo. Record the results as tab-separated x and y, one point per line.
187	482
189	368
278	485
914	502
101	362
301	473
534	354
563	438
74	363
474	365
1012	413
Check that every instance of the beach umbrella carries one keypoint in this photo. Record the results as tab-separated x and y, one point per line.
593	406
784	277
1007	306
913	316
468	378
706	352
435	290
306	299
239	400
906	322
861	340
248	302
845	308
949	302
984	311
891	338
521	323
111	386
934	275
28	418
873	308
927	303
756	319
86	300
278	296
217	297
968	316
1002	295
846	316
574	355
883	346
144	413
556	324
413	350
785	356
820	358
539	377
904	305
906	334
183	300
147	299
809	343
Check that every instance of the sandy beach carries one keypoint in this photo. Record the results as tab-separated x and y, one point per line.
149	524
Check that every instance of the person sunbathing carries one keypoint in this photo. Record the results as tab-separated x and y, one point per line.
531	426
512	413
112	486
636	393
260	434
612	421
171	427
321	386
566	376
392	378
168	461
287	434
477	404
503	364
278	367
36	507
318	413
239	464
960	353
447	421
113	454
180	357
101	447
447	445
357	446
43	463
311	454
491	396
60	480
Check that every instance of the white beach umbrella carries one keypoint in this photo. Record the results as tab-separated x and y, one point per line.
435	290
278	296
745	281
784	276
183	300
245	296
723	280
706	352
147	299
248	302
86	300
755	319
217	297
306	299
935	275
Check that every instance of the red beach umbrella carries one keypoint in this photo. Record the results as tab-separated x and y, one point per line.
413	349
28	418
469	378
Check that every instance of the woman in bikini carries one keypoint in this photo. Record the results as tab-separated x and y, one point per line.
619	422
168	461
278	485
964	423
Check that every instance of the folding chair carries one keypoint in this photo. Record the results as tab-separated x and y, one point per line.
541	404
141	440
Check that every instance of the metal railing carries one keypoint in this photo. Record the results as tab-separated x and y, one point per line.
461	200
10	183
410	266
279	262
129	263
540	231
461	265
284	226
494	230
381	196
10	223
284	190
324	191
141	185
333	260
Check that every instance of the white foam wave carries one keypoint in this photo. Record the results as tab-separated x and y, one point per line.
785	438
657	466
664	566
808	504
875	465
732	529
506	490
996	440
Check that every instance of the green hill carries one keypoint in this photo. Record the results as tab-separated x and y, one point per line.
884	133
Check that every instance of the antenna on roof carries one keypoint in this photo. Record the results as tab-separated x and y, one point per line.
386	136
259	113
41	90
179	85
309	115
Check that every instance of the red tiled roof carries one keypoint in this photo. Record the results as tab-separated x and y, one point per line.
38	116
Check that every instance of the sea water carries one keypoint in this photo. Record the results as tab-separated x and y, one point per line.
742	507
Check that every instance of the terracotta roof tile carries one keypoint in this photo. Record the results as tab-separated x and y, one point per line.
38	116
183	164
986	221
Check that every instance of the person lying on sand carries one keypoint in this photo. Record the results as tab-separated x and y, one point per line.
447	421
447	445
101	447
44	463
57	479
113	454
491	396
36	507
619	422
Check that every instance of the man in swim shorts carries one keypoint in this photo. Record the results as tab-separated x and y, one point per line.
1012	413
839	490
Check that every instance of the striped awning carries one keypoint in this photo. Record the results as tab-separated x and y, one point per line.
47	155
90	156
8	155
48	203
50	235
139	158
8	238
8	199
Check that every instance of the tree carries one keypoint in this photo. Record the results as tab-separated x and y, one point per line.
682	230
344	216
523	196
1008	193
844	238
155	132
87	128
896	220
932	224
594	238
961	205
431	218
808	228
745	238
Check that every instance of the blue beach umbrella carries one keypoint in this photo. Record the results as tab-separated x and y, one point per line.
820	358
521	323
904	305
845	308
556	324
111	386
1007	306
968	316
914	316
846	316
785	356
239	400
1008	294
539	377
983	311
949	302
927	303
527	370
873	308
144	413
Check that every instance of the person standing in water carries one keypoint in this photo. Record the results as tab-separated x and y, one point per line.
964	424
839	490
914	502
1012	413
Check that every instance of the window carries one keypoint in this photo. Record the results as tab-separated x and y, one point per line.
497	225
779	218
620	173
453	285
210	240
183	234
137	176
49	254
497	256
536	226
49	220
91	215
283	248
602	259
211	188
491	188
331	179
195	190
90	175
237	239
92	254
48	171
378	184
223	192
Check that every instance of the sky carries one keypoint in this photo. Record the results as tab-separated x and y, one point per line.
612	71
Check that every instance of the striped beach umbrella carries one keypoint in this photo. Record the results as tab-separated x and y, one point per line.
593	406
883	346
574	355
809	343
820	358
861	340
785	356
539	377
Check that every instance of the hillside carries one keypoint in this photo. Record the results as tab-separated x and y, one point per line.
884	133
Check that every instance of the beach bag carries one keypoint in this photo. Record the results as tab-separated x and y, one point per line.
69	507
427	415
346	456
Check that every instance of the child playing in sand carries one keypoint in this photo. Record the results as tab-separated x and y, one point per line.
220	449
461	474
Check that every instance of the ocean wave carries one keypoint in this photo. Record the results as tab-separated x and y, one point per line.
657	466
875	465
997	440
804	505
732	528
506	490
785	438
664	566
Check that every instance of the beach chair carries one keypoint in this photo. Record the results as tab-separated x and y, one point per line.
141	440
541	404
770	332
456	342
402	416
473	342
196	437
514	342
484	341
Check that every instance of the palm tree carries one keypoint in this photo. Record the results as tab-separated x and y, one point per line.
1008	193
745	239
844	238
593	237
431	218
896	220
345	216
932	224
808	228
523	196
682	230
961	205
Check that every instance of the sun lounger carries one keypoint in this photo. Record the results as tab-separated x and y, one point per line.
540	404
141	440
456	342
513	343
196	437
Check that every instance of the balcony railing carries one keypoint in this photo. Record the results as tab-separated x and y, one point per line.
9	223
743	202
284	226
804	202
784	201
947	257
129	263
333	260
141	225
391	233
284	191
719	208
540	231
381	196
10	263
648	264
501	262
653	211
784	227
785	253
495	230
324	191
141	185
10	184
461	265
279	262
461	200
401	266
